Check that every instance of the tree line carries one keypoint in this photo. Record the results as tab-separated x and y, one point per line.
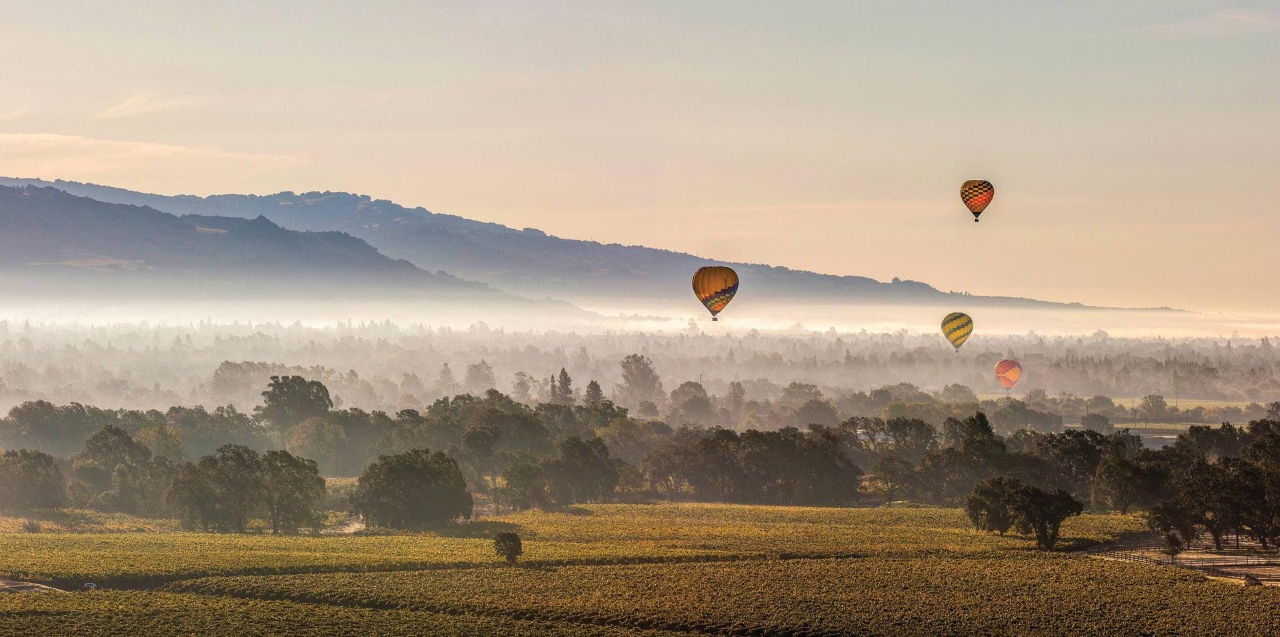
592	450
387	367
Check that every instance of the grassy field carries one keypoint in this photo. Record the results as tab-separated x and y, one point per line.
138	560
1019	593
84	521
132	614
624	570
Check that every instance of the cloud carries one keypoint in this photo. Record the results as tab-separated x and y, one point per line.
53	156
142	102
1220	23
17	113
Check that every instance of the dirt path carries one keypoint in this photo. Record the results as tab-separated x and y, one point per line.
350	527
10	586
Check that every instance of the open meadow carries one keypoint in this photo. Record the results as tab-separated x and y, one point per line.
621	570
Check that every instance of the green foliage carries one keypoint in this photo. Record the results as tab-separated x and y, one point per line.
115	474
1098	423
582	472
479	378
322	440
989	506
507	546
594	395
290	400
293	491
640	382
1043	512
30	480
412	490
525	487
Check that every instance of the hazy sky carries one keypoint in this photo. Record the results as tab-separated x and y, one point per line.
1135	146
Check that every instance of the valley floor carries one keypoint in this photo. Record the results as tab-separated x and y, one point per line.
622	570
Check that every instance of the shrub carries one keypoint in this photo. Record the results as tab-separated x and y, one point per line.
507	546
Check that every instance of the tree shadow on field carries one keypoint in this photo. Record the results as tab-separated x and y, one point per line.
481	529
1084	544
70	519
1073	544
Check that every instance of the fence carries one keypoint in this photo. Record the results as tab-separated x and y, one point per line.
1199	556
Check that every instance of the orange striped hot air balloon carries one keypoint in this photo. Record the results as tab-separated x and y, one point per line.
1008	372
715	286
977	195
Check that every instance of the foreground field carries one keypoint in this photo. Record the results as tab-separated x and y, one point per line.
1023	593
130	614
608	534
624	570
146	560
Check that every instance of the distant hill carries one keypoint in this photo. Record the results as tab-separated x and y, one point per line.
56	241
527	261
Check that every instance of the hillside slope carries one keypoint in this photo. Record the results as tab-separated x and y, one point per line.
54	240
525	261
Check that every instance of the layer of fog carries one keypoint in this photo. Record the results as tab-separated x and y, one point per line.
677	315
186	355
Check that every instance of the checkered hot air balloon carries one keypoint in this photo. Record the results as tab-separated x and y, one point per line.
715	286
1008	372
957	326
977	195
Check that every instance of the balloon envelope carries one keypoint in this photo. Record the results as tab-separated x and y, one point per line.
1008	372
957	326
977	195
715	286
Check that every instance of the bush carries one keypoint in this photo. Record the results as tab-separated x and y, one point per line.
507	546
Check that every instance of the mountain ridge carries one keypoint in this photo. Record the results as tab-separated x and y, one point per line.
57	242
528	261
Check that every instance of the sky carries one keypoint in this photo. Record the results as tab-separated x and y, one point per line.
1134	146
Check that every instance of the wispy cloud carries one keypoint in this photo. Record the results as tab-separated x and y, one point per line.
142	102
85	158
1220	23
17	113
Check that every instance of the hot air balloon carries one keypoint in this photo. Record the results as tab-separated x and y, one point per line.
715	286
1008	372
957	326
977	195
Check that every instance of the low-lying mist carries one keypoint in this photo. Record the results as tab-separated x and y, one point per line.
389	356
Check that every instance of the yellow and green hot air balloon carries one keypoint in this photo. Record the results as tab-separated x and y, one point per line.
715	286
977	195
957	326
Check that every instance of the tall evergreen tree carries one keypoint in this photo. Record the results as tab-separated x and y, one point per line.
594	395
446	385
564	394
